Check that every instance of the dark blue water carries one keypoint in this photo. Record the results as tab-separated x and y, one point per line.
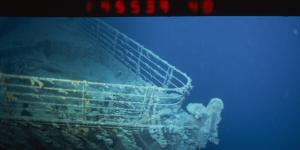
252	63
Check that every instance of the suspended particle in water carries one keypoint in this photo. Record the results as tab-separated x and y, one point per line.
295	32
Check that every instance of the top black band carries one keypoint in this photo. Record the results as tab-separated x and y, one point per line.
148	7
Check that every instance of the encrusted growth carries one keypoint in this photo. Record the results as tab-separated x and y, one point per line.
120	116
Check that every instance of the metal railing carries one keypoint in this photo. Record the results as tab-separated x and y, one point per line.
52	100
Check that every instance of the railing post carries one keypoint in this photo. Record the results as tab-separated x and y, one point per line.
84	99
138	64
168	77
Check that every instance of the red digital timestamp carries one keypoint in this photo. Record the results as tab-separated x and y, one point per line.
148	7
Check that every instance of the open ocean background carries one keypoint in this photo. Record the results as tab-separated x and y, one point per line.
251	63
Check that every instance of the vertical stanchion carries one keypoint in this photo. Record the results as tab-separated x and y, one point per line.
84	100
